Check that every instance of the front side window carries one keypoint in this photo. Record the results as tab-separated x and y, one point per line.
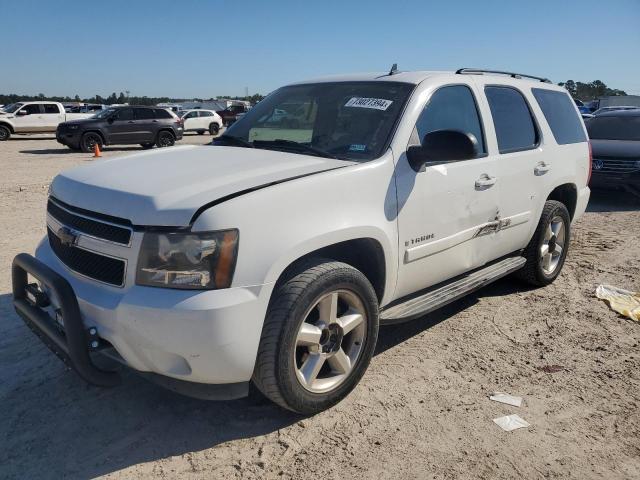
32	109
124	114
51	108
616	127
345	120
561	115
512	119
452	108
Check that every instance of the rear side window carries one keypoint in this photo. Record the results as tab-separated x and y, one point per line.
206	114
161	113
512	119
451	108
559	110
51	108
144	114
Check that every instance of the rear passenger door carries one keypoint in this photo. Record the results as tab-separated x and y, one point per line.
146	125
51	116
516	136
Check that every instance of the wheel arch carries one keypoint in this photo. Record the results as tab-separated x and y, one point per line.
364	254
567	193
99	132
8	125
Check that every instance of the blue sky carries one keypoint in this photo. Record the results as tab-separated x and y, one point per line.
204	48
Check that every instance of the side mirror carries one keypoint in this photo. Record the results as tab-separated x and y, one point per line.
442	146
22	112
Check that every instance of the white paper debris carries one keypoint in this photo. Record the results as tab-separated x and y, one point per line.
511	422
506	398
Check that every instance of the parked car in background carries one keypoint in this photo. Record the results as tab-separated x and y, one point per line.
86	108
613	109
230	114
256	260
615	142
34	117
147	126
201	121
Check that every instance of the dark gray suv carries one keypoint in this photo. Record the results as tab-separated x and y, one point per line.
147	126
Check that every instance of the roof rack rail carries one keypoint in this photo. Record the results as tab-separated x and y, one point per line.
480	71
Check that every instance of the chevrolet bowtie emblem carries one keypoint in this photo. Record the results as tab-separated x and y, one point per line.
67	236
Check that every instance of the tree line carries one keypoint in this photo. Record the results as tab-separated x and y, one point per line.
590	91
6	99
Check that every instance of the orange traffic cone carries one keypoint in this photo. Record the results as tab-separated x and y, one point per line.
96	151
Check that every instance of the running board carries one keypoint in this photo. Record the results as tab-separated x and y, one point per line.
417	306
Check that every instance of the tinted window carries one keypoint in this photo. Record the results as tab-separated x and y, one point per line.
51	108
561	116
512	119
191	115
622	127
451	108
161	113
125	114
32	109
144	114
206	114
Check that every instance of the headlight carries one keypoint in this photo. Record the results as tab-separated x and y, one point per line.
203	260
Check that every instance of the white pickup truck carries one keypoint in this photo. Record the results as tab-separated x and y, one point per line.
34	117
331	207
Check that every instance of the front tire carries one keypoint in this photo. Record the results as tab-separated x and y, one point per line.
549	246
318	337
165	139
89	141
5	133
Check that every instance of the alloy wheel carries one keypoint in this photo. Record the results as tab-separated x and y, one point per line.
553	244
329	341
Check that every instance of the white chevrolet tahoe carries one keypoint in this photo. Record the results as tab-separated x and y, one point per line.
34	117
273	255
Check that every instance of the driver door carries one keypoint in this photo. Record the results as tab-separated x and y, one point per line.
28	118
120	126
445	211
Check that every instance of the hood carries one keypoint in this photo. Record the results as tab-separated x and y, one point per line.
615	148
166	187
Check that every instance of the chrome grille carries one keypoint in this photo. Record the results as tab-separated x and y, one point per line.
616	165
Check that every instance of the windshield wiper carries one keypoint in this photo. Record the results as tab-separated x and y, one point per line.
290	144
234	140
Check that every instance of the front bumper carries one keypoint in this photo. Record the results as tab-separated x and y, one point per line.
203	337
626	181
68	138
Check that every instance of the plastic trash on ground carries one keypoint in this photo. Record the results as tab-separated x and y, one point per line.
506	398
511	422
622	301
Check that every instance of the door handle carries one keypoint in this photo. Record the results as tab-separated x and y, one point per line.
485	181
541	168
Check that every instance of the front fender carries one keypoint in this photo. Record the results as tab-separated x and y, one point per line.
281	223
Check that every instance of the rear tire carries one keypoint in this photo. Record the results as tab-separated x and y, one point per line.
318	337
549	246
5	133
89	140
165	139
214	129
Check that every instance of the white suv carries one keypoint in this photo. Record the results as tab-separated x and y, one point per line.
332	207
201	121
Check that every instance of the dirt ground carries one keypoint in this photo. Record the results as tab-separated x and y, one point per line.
421	411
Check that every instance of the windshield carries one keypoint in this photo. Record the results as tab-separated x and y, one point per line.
623	127
345	120
12	108
104	113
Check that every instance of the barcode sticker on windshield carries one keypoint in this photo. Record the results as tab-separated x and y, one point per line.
375	103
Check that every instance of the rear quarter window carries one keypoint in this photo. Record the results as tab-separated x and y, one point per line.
162	113
561	115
